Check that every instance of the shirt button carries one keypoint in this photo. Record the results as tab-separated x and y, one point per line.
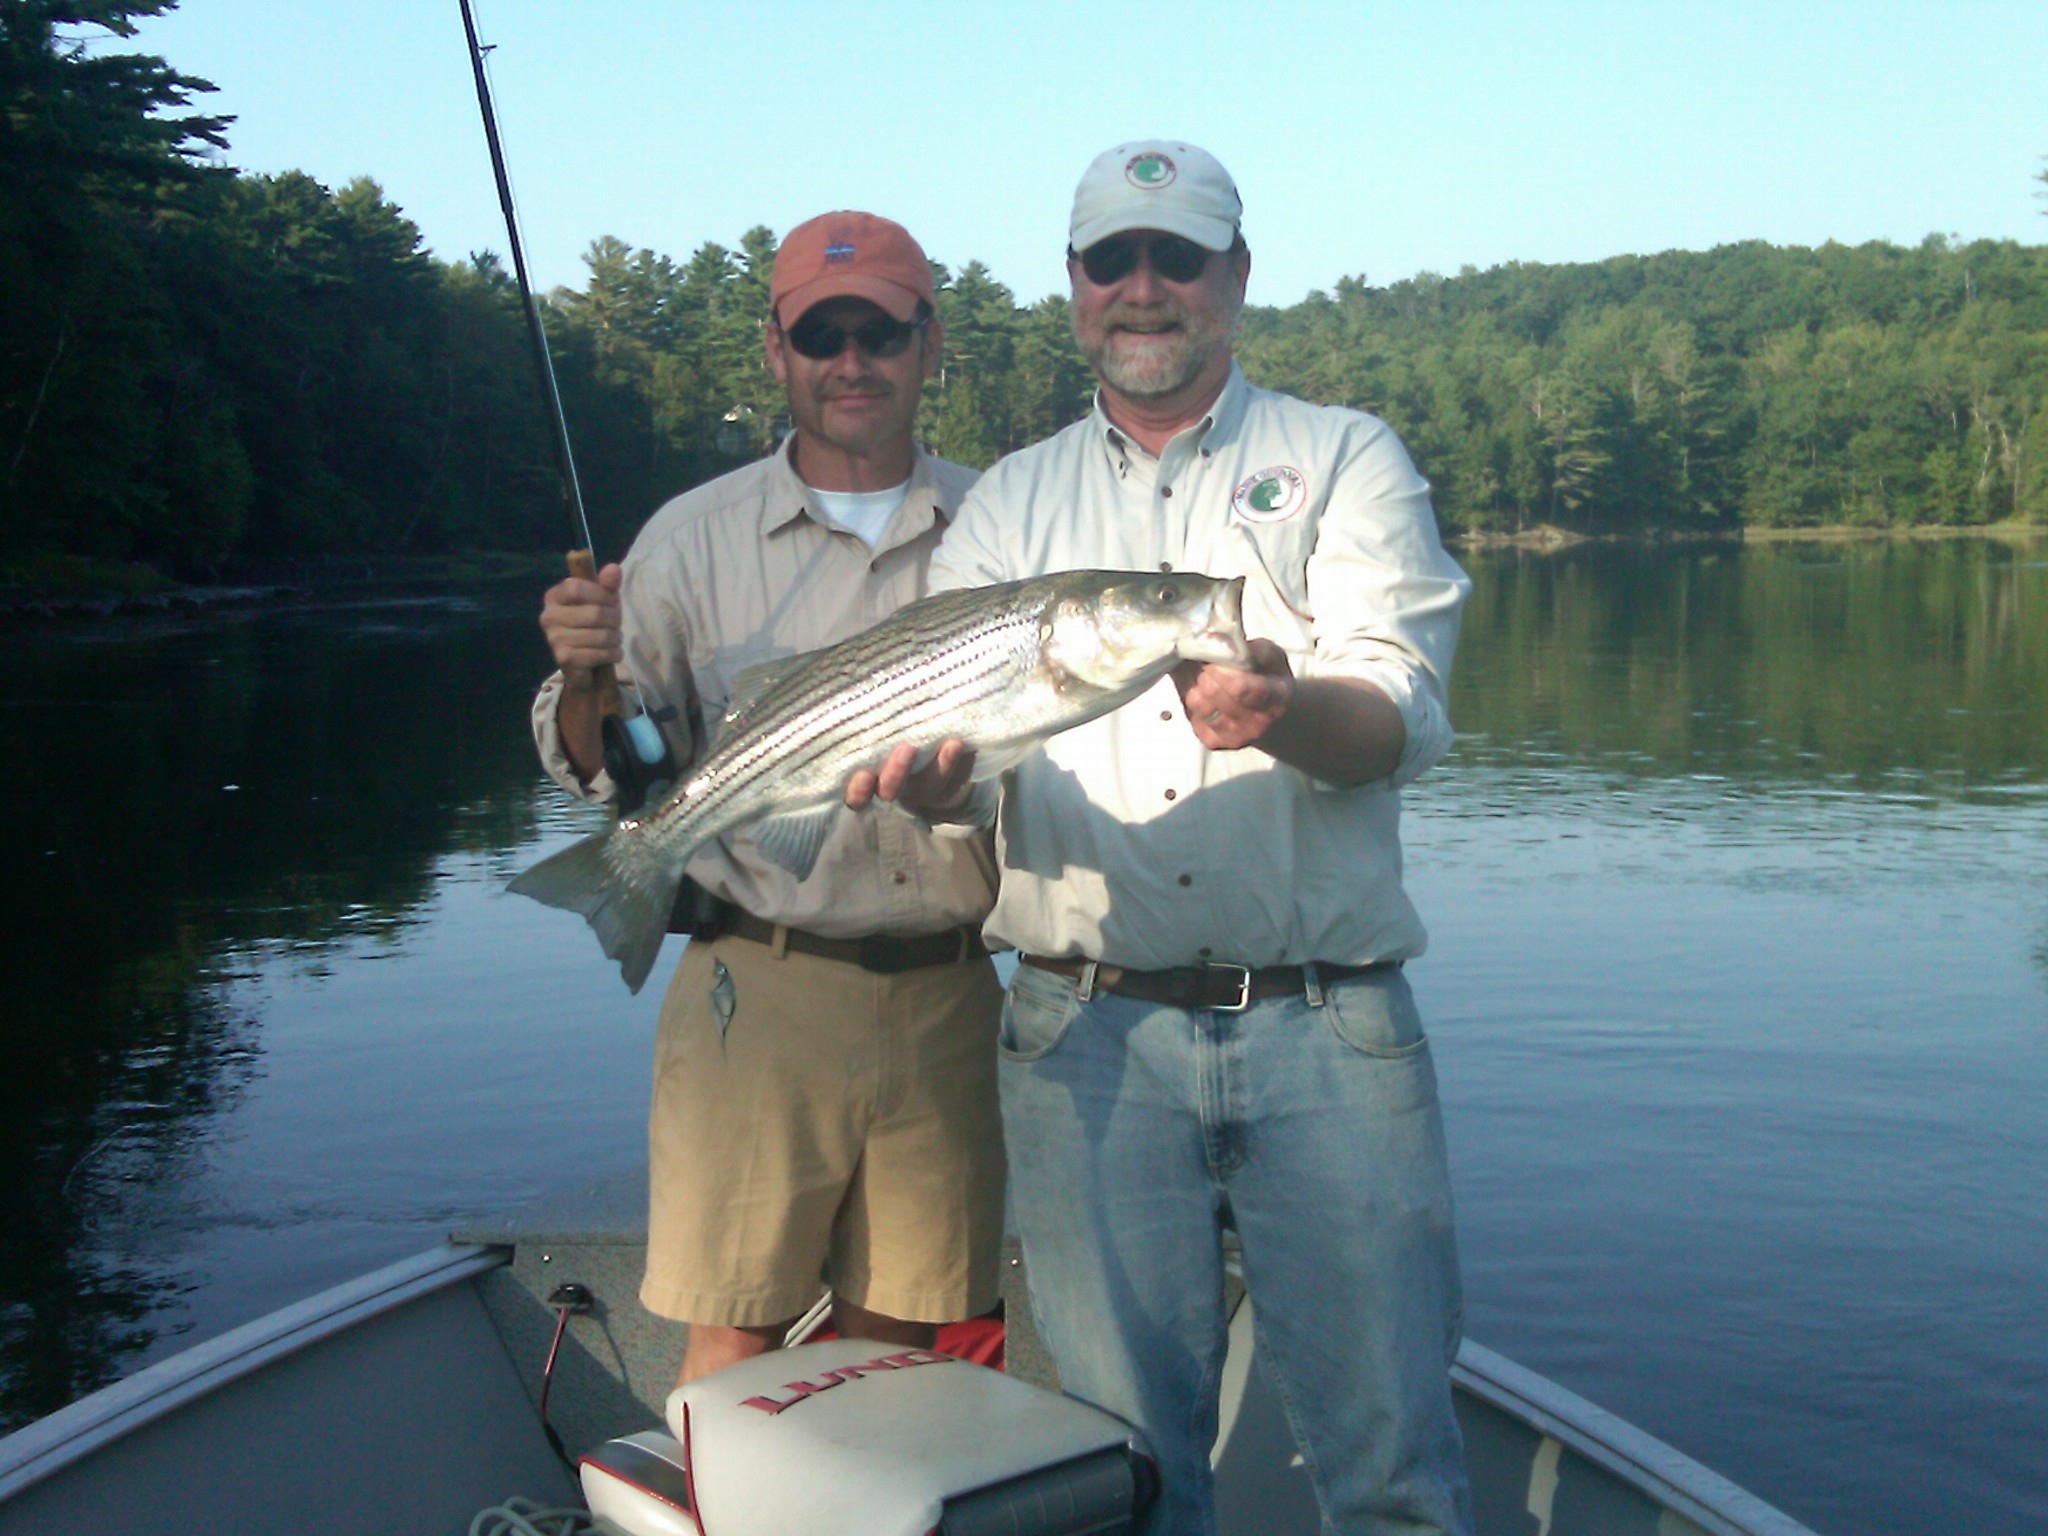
1172	794
1205	951
1166	490
899	877
1166	565
1187	879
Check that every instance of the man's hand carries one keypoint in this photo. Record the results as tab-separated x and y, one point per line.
581	620
939	786
1230	707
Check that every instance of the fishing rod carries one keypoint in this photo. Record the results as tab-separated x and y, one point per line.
633	746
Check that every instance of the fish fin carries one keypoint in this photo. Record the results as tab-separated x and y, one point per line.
752	682
793	841
626	899
990	762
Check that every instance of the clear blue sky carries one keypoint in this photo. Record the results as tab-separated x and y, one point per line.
1375	138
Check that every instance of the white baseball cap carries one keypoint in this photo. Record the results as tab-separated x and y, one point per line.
1156	184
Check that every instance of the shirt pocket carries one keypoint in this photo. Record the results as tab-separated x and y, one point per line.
1273	559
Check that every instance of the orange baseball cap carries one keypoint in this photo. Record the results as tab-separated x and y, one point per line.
860	254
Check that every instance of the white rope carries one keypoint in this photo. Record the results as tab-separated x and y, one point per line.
527	1517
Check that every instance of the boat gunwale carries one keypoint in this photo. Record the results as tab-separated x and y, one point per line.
1671	1478
1664	1474
49	1444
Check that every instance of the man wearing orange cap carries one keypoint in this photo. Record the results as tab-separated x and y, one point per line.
824	1074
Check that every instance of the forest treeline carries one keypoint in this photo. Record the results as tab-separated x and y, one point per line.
201	369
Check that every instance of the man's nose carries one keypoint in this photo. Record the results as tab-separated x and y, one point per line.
849	355
1144	286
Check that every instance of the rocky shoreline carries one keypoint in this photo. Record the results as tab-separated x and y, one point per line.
1545	537
110	591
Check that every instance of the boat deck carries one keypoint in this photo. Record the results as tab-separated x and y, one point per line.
405	1400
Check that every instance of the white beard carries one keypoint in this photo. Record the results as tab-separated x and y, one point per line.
1146	366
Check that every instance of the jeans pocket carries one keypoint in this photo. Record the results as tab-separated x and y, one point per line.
1375	1015
1036	1012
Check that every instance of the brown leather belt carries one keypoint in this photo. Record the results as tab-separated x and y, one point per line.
884	954
1222	988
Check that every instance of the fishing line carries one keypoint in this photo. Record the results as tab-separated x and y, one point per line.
565	459
635	754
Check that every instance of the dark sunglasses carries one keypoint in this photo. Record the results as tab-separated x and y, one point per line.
877	337
1172	257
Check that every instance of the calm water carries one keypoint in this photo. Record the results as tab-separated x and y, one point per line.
1738	888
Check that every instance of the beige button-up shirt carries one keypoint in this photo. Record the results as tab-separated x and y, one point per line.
749	569
1126	840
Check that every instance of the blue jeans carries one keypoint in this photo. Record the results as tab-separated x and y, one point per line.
1137	1131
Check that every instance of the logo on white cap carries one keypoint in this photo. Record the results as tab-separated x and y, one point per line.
1150	171
1270	496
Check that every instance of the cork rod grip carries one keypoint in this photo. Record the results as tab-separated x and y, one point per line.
584	564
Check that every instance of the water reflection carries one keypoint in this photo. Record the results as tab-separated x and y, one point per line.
1735	890
1739	980
1887	666
183	797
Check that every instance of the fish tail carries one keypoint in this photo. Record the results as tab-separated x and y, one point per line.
626	897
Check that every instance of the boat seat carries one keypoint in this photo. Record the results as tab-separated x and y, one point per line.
871	1440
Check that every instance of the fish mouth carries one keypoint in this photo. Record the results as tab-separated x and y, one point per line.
1222	638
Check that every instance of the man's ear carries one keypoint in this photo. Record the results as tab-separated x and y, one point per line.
933	340
771	348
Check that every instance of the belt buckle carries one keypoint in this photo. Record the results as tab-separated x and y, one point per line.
1244	986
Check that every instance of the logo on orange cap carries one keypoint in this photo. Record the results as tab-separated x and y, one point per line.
849	253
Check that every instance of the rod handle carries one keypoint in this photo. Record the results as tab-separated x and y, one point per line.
583	563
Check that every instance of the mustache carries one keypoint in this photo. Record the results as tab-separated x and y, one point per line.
1150	317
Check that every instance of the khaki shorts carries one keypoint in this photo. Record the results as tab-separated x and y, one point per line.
839	1118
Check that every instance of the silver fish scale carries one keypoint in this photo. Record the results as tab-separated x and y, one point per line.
928	669
1002	668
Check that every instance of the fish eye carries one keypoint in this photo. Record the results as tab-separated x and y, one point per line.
1167	592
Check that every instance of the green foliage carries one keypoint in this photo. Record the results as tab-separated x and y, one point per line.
200	369
1877	385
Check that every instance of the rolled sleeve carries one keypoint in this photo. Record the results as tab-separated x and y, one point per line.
554	761
1386	595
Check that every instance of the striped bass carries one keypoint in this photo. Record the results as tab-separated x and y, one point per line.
1000	667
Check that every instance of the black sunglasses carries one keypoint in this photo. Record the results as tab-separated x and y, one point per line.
880	336
1173	257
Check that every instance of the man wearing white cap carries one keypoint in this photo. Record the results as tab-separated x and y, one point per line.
1210	1026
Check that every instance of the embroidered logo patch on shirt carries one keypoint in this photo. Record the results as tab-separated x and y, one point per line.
1270	496
1150	171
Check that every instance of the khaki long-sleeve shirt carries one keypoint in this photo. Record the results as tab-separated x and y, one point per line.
1126	840
749	569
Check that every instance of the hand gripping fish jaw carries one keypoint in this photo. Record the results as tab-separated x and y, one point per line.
854	1437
